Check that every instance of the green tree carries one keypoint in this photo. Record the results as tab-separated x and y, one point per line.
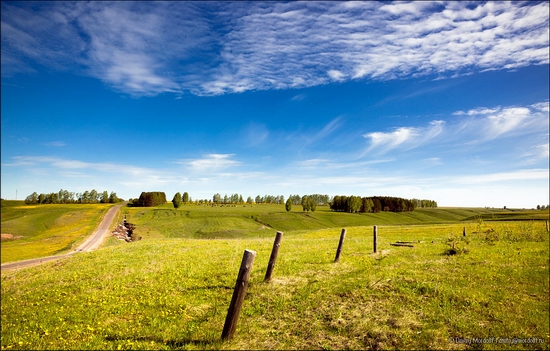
177	200
104	197
288	205
153	198
217	198
312	204
249	200
258	199
93	196
185	198
377	205
32	198
353	204
305	203
113	198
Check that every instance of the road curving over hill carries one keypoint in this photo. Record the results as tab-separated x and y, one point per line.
92	243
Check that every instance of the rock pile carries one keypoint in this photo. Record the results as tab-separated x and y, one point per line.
124	231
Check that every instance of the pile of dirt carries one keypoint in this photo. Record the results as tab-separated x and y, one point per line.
9	237
124	231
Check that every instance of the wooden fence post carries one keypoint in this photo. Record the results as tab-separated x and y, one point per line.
546	225
238	295
340	245
375	233
273	257
464	231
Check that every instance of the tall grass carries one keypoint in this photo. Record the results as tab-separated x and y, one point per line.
168	293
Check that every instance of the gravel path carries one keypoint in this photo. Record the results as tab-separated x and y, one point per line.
92	243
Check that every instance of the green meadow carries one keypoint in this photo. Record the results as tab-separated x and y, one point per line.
45	230
171	289
239	221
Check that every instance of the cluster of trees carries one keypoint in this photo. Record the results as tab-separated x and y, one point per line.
149	199
377	203
539	207
233	199
308	202
318	199
68	197
178	199
238	199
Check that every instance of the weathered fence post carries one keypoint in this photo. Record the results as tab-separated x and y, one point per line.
374	234
464	231
273	257
546	225
340	245
238	295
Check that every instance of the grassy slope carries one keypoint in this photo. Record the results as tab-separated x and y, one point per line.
191	221
168	293
46	229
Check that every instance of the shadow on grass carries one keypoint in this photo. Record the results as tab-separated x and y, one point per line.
178	343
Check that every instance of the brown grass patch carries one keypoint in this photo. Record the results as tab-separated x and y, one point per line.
9	237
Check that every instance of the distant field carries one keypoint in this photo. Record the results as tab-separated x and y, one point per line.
44	230
165	293
192	221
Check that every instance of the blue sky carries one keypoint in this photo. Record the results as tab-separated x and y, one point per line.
445	101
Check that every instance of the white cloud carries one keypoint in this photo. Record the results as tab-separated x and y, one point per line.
542	106
524	174
485	124
255	134
336	75
403	137
147	48
298	97
328	129
506	121
55	144
213	163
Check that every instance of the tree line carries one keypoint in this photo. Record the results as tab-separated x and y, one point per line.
373	204
69	197
340	203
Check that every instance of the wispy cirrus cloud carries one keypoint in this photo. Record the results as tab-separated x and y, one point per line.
491	123
403	137
148	48
212	163
93	170
56	143
524	174
62	163
479	125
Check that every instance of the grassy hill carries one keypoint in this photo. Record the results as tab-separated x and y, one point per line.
44	230
192	221
165	293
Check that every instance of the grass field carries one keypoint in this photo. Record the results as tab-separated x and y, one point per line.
192	221
44	230
167	293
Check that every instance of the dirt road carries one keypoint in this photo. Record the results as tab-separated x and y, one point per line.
92	243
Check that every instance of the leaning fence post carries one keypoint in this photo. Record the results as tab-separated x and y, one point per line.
340	245
273	257
375	233
238	295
